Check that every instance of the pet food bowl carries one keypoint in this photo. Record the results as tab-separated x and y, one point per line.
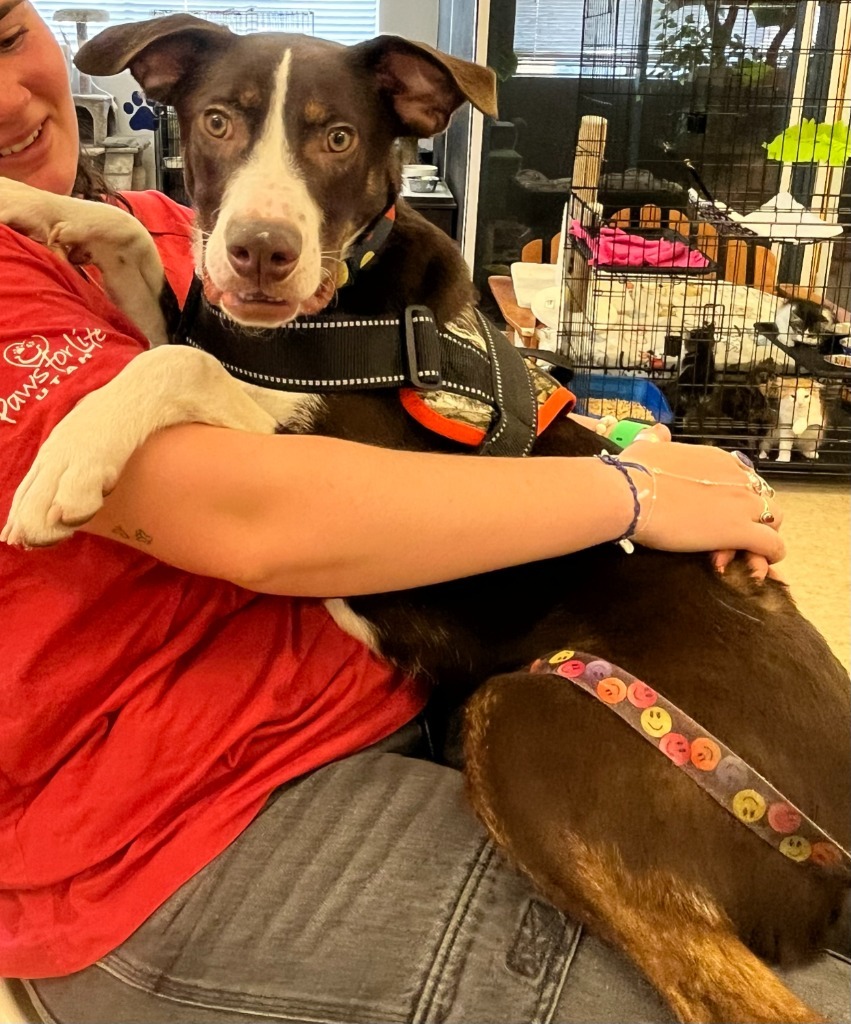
422	183
419	170
843	361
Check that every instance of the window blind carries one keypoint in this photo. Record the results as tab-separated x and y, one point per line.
563	31
344	21
602	38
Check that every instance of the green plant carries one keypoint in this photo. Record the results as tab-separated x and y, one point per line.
756	70
707	39
683	46
809	142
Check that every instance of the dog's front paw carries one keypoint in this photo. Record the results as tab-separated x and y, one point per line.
29	210
64	488
82	231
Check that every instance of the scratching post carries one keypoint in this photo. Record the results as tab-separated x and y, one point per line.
80	17
580	206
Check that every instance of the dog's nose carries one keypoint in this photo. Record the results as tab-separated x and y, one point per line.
261	251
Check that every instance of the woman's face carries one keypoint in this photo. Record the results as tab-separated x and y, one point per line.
38	124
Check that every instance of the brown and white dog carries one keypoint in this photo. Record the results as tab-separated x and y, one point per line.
289	155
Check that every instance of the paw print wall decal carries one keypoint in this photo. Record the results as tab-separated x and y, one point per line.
141	111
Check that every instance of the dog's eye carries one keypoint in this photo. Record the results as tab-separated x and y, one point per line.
340	138
217	124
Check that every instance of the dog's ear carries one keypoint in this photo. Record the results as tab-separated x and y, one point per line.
424	86
158	52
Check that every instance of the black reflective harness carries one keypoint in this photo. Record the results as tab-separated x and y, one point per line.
337	352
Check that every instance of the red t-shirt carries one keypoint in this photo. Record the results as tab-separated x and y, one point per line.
145	713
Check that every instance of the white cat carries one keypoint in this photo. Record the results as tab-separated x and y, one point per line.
801	422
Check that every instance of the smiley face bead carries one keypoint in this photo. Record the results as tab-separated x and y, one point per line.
656	722
783	818
705	754
611	690
561	656
571	669
598	670
640	695
675	746
796	848
748	806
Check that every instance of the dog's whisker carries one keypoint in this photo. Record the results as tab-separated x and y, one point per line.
332	259
328	276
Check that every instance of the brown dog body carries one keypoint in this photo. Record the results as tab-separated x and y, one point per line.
289	157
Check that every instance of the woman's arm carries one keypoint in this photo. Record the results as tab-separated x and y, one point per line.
314	516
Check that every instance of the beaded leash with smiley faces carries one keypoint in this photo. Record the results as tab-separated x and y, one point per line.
733	783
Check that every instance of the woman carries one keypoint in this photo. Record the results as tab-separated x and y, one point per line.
158	859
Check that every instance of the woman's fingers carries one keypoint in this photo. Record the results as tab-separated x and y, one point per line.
766	541
721	559
758	566
661	432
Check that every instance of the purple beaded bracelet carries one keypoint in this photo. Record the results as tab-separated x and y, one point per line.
625	540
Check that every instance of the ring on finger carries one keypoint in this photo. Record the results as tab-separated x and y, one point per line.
767	517
760	486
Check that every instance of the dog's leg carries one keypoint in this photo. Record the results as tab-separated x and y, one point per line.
83	456
520	785
681	943
106	236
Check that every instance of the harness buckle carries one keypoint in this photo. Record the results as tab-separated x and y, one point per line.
422	349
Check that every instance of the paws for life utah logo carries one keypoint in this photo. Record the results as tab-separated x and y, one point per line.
46	365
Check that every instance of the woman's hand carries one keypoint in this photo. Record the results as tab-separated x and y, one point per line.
698	498
658	432
606	426
757	565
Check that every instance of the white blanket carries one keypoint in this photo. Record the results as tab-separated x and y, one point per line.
631	317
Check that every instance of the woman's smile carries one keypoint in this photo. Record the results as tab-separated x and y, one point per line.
19	147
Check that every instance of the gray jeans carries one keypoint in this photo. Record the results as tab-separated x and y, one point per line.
366	893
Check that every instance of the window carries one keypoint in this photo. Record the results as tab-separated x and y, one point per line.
345	21
612	38
562	37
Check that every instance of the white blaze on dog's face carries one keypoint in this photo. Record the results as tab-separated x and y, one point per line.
266	203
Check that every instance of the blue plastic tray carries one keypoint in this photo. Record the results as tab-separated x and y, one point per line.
631	389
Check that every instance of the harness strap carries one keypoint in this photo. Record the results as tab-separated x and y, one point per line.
328	354
516	425
729	780
339	353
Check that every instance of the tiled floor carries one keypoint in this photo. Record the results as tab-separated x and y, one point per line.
817	529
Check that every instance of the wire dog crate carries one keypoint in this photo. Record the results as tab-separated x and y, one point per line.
250	19
719	301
